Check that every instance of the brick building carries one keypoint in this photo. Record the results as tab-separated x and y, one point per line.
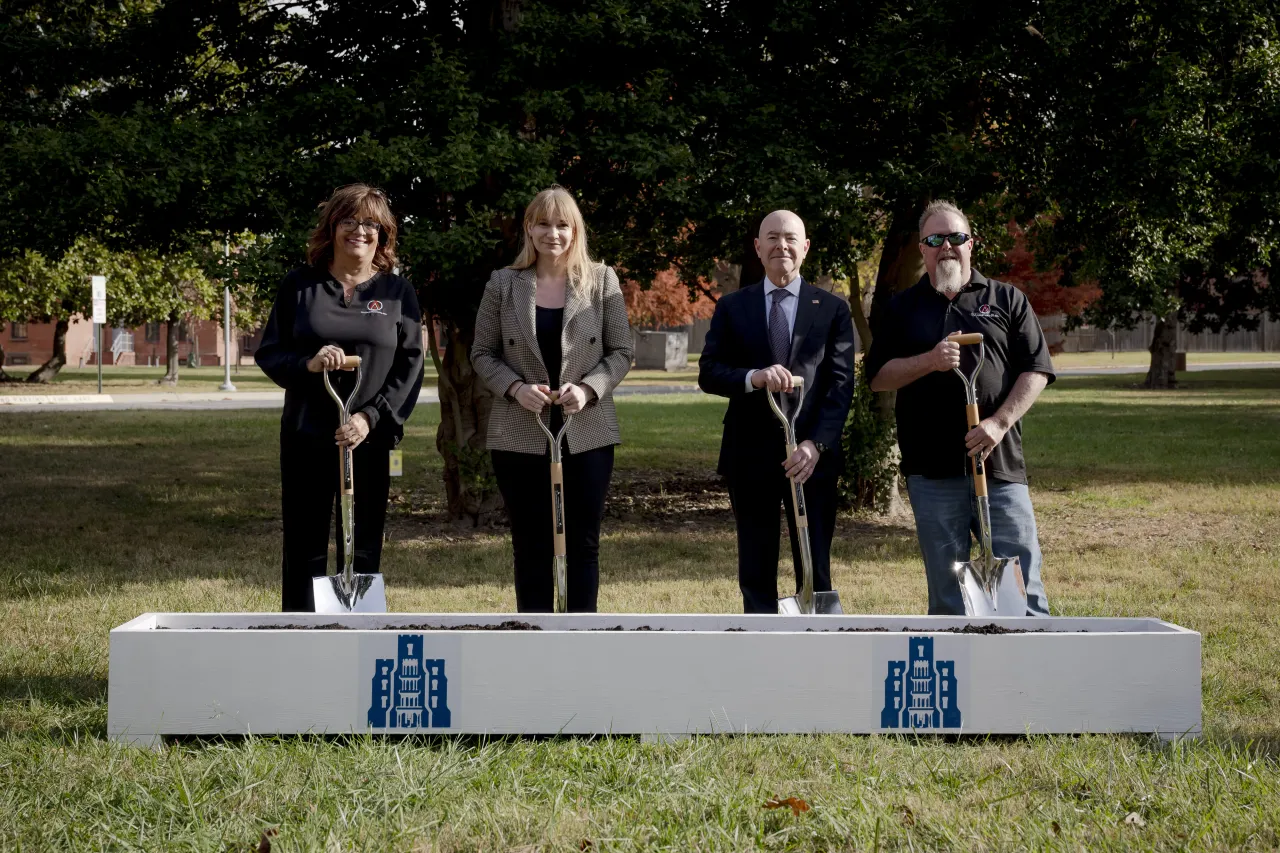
32	344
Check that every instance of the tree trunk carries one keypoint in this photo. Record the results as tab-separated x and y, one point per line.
4	377
44	373
1164	350
728	277
901	266
170	351
465	403
856	297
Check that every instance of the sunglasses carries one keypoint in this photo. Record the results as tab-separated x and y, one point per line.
958	238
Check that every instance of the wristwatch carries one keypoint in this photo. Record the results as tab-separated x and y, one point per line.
822	448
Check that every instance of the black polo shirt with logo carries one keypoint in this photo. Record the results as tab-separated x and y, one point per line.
930	411
382	324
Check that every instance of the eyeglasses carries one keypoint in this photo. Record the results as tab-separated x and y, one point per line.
351	224
957	238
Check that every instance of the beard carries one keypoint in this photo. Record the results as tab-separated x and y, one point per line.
948	276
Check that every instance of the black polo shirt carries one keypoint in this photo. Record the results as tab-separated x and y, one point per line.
382	324
930	411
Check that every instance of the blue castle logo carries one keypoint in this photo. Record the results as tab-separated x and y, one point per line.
410	692
920	693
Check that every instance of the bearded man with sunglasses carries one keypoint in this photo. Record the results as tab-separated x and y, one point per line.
910	354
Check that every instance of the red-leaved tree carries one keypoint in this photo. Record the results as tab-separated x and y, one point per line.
666	302
1047	296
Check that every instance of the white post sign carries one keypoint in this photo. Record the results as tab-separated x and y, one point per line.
99	298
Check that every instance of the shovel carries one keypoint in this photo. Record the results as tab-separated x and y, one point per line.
806	602
560	568
991	586
348	592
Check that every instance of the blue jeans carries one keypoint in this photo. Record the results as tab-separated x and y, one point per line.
946	512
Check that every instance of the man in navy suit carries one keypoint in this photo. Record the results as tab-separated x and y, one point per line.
760	337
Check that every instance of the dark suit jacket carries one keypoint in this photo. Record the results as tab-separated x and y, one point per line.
821	352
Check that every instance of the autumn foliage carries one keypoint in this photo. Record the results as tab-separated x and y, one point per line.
665	302
1046	295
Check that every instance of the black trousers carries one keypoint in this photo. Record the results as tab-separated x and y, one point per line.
525	482
309	496
755	504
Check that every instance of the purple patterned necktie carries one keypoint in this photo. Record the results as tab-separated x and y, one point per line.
779	334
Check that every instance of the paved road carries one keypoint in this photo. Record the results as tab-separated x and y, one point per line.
218	400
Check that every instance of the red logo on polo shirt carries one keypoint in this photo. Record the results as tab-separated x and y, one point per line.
373	306
985	309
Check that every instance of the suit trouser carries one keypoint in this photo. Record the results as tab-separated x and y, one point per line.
525	482
755	504
309	492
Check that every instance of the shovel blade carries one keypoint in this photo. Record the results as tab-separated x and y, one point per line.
367	594
999	591
824	604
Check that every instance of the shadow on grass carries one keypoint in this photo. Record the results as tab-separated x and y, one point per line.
60	709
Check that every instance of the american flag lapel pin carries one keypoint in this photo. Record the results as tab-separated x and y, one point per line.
815	302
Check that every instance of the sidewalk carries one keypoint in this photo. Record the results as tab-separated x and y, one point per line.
180	401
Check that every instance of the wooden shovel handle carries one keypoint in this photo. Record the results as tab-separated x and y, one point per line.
557	508
351	362
964	338
979	468
347	471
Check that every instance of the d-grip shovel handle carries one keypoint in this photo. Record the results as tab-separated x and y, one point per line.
971	411
557	477
350	362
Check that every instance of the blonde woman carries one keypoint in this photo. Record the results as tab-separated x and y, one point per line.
553	320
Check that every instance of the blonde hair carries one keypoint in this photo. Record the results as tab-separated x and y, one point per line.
555	203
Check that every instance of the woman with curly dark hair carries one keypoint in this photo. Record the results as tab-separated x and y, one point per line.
347	300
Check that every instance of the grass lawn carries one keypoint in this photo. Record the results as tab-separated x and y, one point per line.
142	380
1143	359
1152	504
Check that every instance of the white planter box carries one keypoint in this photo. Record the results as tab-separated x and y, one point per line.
193	673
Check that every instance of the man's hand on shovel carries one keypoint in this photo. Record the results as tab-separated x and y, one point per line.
773	379
984	437
799	466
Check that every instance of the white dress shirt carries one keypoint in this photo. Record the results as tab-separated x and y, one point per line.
789	308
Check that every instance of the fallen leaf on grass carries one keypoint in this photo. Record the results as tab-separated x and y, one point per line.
586	844
908	816
264	844
796	805
1056	827
1134	819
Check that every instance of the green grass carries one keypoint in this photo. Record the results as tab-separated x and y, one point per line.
142	380
138	380
1154	504
1143	359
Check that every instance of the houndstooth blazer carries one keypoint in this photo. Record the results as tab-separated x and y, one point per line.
596	351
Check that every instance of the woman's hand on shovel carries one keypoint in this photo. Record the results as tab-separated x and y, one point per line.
573	398
330	357
353	431
532	397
